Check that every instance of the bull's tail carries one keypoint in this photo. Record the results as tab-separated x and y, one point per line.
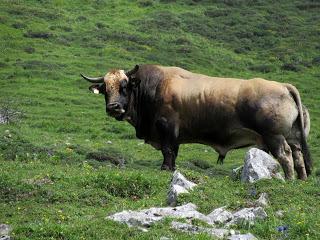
303	141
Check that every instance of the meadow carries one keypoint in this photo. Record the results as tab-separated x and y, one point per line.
65	165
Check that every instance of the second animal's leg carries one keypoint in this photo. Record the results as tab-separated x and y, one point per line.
280	149
298	161
169	144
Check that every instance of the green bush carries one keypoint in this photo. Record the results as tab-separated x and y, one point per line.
126	184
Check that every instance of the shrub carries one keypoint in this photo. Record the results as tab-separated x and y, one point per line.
18	25
213	12
9	112
105	155
29	50
316	60
44	35
291	67
14	147
161	21
125	184
264	68
145	3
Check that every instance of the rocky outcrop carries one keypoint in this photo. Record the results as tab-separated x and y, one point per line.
146	217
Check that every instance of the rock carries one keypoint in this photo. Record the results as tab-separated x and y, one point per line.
5	237
247	236
259	165
165	238
179	179
173	193
215	232
279	213
179	184
247	216
4	229
2	119
236	173
220	216
146	217
263	200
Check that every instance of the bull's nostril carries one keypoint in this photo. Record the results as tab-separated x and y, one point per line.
113	106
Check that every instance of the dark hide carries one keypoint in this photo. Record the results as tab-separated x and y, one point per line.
146	93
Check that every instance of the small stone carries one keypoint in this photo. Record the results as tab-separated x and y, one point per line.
263	200
220	216
165	238
4	229
279	213
247	236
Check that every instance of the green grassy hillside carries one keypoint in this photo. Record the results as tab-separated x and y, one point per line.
65	165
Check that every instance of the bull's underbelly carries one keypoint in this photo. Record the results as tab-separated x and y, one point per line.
226	141
232	139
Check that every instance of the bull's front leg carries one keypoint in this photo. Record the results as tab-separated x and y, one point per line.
169	145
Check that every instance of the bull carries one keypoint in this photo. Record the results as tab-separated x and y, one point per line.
169	106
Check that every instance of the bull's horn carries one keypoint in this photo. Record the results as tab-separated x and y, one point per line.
133	71
93	80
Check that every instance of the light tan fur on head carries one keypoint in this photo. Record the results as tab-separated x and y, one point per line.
112	80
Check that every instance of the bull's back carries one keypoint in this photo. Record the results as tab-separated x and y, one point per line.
219	106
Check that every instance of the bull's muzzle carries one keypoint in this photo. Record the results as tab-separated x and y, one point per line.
116	110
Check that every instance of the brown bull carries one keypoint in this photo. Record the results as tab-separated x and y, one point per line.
169	106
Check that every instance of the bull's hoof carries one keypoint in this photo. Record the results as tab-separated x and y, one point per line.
167	168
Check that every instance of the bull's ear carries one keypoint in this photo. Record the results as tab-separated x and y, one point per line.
97	89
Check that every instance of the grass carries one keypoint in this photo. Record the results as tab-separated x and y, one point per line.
65	165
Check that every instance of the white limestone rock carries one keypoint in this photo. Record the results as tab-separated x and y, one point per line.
247	216
220	216
247	236
215	232
4	229
146	217
174	192
179	184
263	200
179	179
259	165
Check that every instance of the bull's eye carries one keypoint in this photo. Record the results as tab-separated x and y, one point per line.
123	87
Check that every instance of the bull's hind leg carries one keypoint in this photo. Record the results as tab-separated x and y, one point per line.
299	165
280	149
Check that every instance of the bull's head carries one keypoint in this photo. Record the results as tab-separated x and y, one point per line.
116	86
